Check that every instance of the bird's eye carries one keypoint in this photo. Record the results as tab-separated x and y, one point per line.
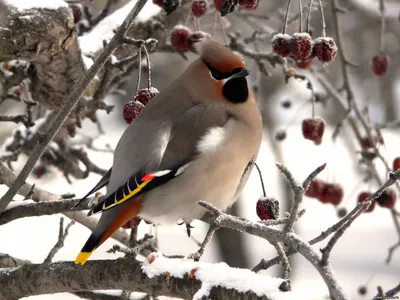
217	75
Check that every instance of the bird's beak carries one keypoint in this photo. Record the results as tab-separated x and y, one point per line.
240	74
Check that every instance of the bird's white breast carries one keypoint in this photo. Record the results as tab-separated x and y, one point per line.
212	140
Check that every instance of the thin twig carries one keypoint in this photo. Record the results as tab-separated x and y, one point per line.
286	17
285	261
62	234
309	17
301	16
323	33
261	178
211	230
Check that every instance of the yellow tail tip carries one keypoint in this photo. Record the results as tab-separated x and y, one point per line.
82	257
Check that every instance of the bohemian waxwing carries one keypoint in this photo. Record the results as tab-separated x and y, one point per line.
194	141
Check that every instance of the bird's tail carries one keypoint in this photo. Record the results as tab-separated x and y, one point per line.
106	227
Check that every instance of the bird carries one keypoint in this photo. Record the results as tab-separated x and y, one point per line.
196	140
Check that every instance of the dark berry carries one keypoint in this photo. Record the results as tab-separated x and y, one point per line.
134	222
379	65
159	3
362	290
286	104
171	5
325	49
267	208
248	4
342	212
362	197
280	135
315	189
366	143
300	45
131	110
280	44
313	129
333	193
77	13
145	95
179	36
396	163
225	6
387	199
304	64
199	8
195	37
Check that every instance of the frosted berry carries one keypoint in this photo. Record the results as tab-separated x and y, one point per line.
300	45
315	189
313	129
171	5
134	222
145	95
379	65
333	193
304	64
366	143
77	13
179	36
362	197
248	4
131	110
387	199
225	6
194	37
325	49
159	3
199	8
396	163
280	44
267	208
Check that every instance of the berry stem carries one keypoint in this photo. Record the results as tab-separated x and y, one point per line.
383	24
286	17
309	16
139	69
322	18
261	179
301	16
148	67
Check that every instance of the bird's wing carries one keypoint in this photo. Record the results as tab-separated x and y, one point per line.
180	150
102	183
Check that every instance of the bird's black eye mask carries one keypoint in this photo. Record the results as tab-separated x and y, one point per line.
217	75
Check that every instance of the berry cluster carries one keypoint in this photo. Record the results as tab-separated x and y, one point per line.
267	208
227	6
325	192
183	39
303	49
386	199
313	129
133	108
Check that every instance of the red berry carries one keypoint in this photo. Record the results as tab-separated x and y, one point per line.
396	163
39	171
325	49
304	64
280	44
315	189
267	208
159	3
195	37
248	4
225	6
145	95
131	110
76	12
366	143
379	65
333	193
387	199
134	222
179	36
313	129
300	45
362	197
171	5
199	8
